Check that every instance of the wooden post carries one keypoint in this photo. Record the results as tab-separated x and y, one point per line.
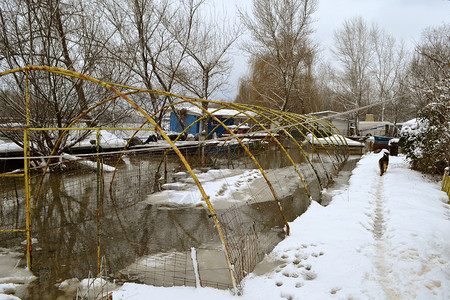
203	154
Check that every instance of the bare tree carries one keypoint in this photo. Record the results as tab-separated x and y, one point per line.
51	33
281	47
430	65
139	43
388	67
402	107
354	51
207	64
168	47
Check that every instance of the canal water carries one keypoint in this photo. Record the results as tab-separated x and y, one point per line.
137	235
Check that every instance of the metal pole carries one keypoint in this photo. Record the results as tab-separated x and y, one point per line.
26	168
98	204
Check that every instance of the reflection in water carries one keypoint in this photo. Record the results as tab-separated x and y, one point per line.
65	225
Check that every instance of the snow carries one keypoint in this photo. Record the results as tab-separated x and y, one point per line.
195	264
219	185
8	297
334	139
87	163
233	127
383	151
230	113
226	187
381	237
9	147
222	112
107	140
414	126
14	278
393	141
138	291
89	288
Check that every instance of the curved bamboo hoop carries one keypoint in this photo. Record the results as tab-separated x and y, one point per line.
261	117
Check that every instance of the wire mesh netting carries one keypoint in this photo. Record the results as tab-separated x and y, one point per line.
221	183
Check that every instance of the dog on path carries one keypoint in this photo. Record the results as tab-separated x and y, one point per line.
384	162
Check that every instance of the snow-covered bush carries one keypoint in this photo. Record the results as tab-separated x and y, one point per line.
426	140
410	140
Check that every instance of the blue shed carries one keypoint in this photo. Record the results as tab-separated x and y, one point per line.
188	119
227	116
220	129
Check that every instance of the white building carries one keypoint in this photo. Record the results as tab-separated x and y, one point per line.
339	121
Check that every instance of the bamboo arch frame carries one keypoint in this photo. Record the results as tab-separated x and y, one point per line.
255	114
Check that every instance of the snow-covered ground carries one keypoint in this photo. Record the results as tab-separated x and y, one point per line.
13	278
379	238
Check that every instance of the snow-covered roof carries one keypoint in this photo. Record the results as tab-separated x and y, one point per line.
243	126
330	115
335	139
219	112
322	113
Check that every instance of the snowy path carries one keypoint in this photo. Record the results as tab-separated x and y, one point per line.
380	238
383	269
408	257
411	230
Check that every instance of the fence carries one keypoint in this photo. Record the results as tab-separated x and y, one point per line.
176	210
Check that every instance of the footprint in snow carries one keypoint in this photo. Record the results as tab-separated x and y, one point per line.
287	296
287	274
309	275
335	290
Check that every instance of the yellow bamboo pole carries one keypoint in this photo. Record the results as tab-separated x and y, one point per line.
12	175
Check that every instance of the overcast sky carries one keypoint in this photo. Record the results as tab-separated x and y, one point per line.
403	19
